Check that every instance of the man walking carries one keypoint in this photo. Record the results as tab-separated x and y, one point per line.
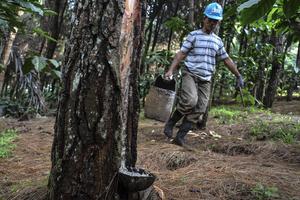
200	50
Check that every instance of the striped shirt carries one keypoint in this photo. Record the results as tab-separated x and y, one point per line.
202	49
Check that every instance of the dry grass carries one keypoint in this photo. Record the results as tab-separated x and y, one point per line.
231	171
218	168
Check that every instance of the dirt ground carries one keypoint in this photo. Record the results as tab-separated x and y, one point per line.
224	163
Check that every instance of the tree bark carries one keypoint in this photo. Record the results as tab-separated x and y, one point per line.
275	72
52	24
192	12
99	90
294	79
157	28
5	55
261	76
156	8
171	31
7	47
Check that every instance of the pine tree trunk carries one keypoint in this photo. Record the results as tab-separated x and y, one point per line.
99	92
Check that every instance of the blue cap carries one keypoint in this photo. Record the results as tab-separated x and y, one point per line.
214	11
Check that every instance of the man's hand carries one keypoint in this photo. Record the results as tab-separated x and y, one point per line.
169	75
239	81
175	64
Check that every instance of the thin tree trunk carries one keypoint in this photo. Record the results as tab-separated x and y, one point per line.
9	43
171	31
275	72
149	31
7	47
99	77
261	76
157	29
52	24
5	56
294	79
192	12
260	83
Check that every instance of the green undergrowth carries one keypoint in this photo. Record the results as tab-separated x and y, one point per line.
6	142
262	192
276	127
263	123
226	115
233	114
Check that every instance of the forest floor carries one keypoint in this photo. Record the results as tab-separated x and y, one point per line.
225	163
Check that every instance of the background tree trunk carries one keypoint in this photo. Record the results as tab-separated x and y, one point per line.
159	22
7	47
171	31
192	12
52	24
292	85
275	72
99	88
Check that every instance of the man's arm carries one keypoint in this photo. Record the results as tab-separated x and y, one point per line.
232	67
175	63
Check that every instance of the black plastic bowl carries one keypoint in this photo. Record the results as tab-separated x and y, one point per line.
135	179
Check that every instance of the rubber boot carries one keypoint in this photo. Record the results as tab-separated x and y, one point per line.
168	130
183	130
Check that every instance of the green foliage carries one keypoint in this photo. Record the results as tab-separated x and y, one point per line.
178	25
44	34
282	15
39	63
1	67
253	9
262	192
226	115
249	100
158	60
257	110
11	16
233	113
42	65
290	7
278	128
16	108
9	12
145	82
6	145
